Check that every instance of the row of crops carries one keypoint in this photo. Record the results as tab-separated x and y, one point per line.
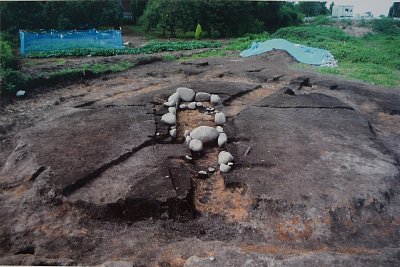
152	47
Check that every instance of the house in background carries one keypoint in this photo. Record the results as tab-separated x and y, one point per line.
342	11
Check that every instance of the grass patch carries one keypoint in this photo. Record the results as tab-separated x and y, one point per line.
91	70
61	61
211	53
169	57
371	73
245	42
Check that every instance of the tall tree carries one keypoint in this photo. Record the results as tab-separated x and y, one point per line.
313	9
394	10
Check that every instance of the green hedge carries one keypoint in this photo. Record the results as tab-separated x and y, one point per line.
10	77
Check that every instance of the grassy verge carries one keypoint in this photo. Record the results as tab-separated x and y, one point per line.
236	44
211	53
373	58
371	73
86	71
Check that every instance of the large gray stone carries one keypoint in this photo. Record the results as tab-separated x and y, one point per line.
173	100
220	118
215	99
186	94
205	134
202	96
172	132
224	167
196	145
169	118
222	139
224	157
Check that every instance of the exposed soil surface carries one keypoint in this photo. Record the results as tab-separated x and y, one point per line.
90	175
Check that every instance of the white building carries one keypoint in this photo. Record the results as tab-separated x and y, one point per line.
342	11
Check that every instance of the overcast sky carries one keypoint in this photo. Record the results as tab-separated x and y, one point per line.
378	7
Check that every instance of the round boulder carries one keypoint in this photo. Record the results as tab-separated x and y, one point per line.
192	105
186	94
224	157
220	118
215	99
222	139
172	132
201	96
224	168
173	100
169	118
204	134
196	145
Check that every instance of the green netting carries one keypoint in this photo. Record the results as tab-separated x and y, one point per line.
52	40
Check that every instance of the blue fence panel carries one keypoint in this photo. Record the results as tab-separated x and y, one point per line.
52	40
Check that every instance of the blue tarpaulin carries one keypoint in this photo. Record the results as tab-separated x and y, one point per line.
302	53
53	40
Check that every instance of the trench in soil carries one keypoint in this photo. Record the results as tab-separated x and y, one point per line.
211	194
204	195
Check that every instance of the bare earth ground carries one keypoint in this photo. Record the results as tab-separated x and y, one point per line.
88	173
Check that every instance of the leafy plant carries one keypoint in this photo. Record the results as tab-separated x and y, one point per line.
169	57
197	34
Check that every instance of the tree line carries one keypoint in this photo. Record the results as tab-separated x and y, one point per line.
60	15
218	18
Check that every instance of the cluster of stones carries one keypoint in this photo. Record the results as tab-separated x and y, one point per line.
201	135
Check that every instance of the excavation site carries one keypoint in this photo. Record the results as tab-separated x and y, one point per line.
199	133
127	169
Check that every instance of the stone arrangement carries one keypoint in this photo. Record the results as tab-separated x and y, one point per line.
198	137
